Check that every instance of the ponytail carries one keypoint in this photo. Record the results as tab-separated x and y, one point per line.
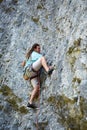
28	54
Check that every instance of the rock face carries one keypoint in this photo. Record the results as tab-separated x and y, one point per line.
60	27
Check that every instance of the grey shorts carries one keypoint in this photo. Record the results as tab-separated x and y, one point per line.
36	66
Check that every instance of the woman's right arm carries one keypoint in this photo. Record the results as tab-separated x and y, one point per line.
23	63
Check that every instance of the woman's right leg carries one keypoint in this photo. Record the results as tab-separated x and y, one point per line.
44	64
41	63
48	69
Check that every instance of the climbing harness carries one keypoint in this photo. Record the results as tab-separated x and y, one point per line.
27	73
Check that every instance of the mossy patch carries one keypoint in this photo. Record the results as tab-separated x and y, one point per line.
12	99
1	1
1	55
8	60
45	29
35	19
1	107
74	52
46	16
5	90
70	50
63	99
23	110
75	79
41	125
77	42
15	1
74	47
72	116
39	6
72	61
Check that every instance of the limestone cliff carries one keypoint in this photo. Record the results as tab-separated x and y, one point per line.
60	27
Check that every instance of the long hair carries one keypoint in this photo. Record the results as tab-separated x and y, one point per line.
31	50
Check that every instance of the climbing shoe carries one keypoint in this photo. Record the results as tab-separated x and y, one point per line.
31	105
50	71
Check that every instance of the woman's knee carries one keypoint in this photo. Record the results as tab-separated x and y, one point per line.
37	64
42	58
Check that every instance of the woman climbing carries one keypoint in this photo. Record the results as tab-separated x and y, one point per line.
32	67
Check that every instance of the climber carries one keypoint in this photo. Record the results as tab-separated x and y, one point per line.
35	60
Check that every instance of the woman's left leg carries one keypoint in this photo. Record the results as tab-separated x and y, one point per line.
34	93
36	85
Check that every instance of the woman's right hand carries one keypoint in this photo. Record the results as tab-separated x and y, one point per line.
23	63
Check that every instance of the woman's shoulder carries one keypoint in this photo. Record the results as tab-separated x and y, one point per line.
36	53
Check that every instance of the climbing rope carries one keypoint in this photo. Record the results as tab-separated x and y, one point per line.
38	110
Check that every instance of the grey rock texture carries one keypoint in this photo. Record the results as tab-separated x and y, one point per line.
60	27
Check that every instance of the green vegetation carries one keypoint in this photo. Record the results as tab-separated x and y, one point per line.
1	1
46	16
72	61
35	19
75	79
40	6
1	55
5	90
75	47
45	29
74	51
77	42
71	49
8	60
23	110
12	99
71	115
1	107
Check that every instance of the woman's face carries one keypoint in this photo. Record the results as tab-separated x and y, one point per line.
37	49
